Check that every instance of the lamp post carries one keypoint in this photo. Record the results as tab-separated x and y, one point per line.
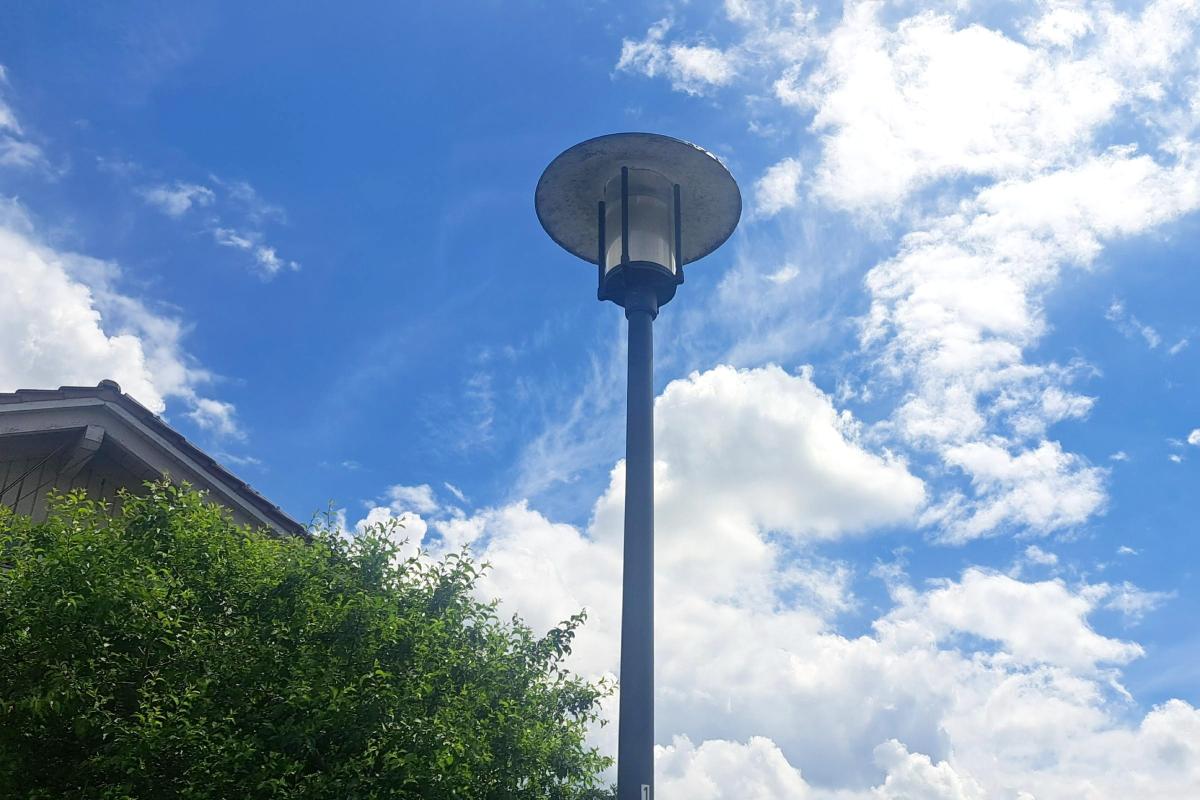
640	206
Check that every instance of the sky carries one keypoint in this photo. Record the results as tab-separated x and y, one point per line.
928	436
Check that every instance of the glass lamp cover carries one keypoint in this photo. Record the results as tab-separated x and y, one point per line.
651	220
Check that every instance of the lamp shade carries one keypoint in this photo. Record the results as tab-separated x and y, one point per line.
580	178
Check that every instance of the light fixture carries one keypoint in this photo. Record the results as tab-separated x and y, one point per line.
640	206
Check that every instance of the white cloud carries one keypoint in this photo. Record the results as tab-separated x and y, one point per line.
1036	555
412	498
265	257
914	776
993	150
405	529
762	621
15	148
823	587
1043	489
177	199
1042	622
935	99
1134	602
18	152
236	200
957	307
1194	437
720	770
216	416
770	448
1060	26
691	68
405	516
1130	326
249	202
757	770
698	66
785	274
984	684
778	188
1005	132
65	321
977	686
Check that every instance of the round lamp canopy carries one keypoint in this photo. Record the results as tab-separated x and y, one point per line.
709	204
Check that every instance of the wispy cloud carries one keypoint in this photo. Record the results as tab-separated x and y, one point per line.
226	200
1130	326
695	68
239	461
177	199
265	257
16	149
778	188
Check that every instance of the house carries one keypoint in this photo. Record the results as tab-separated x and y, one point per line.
101	440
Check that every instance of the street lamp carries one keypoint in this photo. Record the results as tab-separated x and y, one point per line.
639	206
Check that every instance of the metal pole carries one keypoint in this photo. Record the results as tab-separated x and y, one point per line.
635	733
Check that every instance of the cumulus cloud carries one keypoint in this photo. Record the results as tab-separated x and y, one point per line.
771	446
990	155
971	687
964	687
968	686
988	143
412	498
1042	622
956	309
66	321
914	775
1043	489
719	769
934	98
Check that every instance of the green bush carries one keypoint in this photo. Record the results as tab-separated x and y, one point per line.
165	652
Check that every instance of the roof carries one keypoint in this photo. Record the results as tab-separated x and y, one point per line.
108	393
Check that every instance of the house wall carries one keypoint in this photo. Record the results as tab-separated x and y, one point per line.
30	470
125	450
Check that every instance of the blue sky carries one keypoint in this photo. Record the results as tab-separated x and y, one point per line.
927	498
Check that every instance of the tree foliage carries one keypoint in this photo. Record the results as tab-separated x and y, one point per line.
164	652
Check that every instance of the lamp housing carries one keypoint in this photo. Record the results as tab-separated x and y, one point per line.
640	206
